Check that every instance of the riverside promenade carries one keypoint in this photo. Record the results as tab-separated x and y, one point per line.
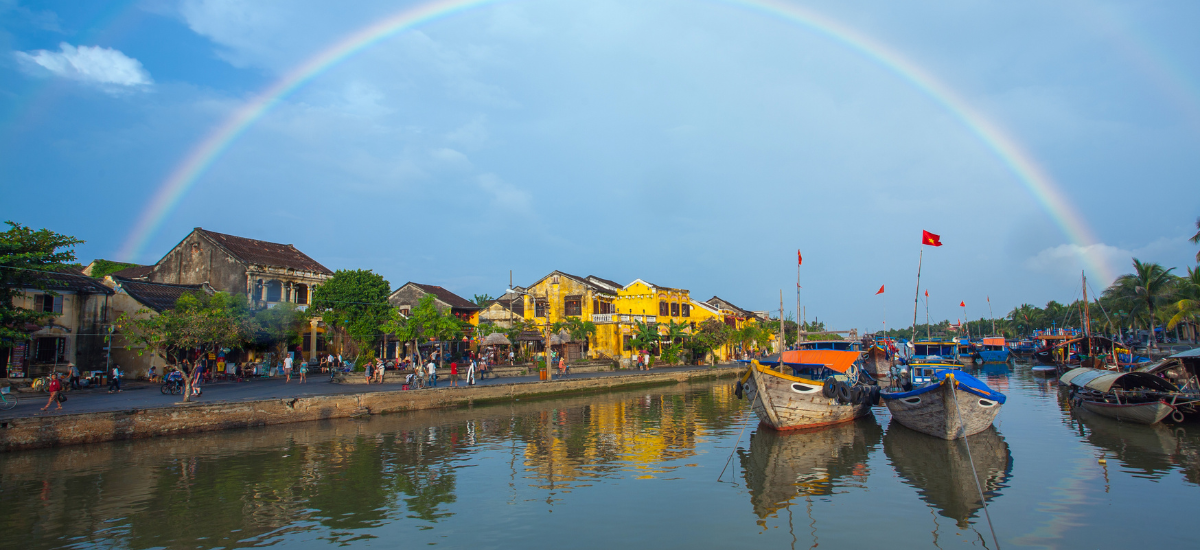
141	410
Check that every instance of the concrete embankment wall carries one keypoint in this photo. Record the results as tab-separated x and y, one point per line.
73	429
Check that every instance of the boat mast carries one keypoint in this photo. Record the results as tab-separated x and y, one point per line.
917	298
1087	317
991	316
798	327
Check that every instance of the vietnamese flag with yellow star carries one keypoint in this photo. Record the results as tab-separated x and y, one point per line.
931	239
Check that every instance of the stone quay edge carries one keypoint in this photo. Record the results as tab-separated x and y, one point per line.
97	427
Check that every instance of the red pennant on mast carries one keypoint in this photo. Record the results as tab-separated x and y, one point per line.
931	239
927	293
962	304
880	290
799	258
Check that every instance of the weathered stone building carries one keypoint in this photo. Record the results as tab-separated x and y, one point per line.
74	332
139	300
266	273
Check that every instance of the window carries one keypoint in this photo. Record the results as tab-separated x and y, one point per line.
404	311
663	309
48	350
685	310
320	341
48	304
539	309
301	294
674	310
628	346
274	291
307	344
595	306
572	306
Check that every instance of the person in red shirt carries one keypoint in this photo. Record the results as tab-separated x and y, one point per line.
453	374
55	387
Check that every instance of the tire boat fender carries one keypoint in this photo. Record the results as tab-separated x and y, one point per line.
843	392
829	388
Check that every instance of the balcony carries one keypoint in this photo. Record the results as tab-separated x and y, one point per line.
637	318
602	317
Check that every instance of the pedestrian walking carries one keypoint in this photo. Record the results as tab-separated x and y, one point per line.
511	357
454	374
432	370
114	379
73	372
471	373
55	388
304	372
287	368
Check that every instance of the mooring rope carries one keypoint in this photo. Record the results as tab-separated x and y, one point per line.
735	446
974	474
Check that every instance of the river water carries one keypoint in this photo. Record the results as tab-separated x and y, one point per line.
637	468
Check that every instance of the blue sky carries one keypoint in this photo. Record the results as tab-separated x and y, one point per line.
694	144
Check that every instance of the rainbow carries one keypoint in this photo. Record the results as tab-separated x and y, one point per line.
1039	184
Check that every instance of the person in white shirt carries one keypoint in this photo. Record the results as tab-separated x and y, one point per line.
287	369
432	370
471	373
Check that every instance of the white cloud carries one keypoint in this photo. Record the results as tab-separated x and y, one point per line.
1067	260
505	196
91	64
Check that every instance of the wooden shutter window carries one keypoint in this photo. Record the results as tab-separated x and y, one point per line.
674	310
662	309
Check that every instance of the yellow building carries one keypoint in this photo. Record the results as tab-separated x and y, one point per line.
559	295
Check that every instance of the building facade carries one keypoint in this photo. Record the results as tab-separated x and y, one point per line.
75	331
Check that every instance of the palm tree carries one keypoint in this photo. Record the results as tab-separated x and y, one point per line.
1187	309
1196	238
1151	284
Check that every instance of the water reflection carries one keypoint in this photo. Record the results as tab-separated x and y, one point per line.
341	479
779	466
1145	451
941	473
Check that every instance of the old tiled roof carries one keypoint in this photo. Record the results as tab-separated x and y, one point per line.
517	306
69	279
264	253
611	283
156	296
721	302
446	296
136	273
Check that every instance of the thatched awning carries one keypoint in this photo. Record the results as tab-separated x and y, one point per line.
496	339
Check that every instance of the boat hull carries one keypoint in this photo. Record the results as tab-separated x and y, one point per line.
1141	413
995	356
878	364
787	402
935	412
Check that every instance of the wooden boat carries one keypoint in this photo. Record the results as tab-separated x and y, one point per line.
878	362
950	405
941	471
933	351
1129	396
994	350
823	389
780	466
967	355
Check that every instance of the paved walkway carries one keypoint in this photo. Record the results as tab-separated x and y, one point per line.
143	395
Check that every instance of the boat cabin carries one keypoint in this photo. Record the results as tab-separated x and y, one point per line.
933	351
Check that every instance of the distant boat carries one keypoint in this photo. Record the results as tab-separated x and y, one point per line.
1130	396
934	351
948	403
994	350
967	354
824	388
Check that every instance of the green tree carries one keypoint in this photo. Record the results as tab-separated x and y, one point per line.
708	336
103	268
578	329
197	322
645	336
353	304
427	321
280	327
481	300
677	335
1152	285
1196	238
25	255
1187	309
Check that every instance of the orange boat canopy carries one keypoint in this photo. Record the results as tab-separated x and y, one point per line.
838	360
993	341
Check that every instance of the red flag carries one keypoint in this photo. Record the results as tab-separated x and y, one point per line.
880	290
930	239
927	293
962	304
799	258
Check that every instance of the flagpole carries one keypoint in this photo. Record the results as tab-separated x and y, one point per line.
991	316
798	329
928	329
917	299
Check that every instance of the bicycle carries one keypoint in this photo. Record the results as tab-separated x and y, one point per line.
7	400
172	387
